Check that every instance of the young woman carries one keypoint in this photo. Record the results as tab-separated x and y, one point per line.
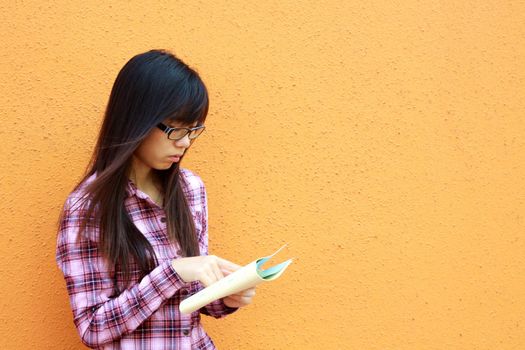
133	234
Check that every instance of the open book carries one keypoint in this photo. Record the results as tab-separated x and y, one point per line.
246	277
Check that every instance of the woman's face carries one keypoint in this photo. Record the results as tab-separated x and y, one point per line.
158	152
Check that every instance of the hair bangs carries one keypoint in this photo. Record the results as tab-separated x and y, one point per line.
193	105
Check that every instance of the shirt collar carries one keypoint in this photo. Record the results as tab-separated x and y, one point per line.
131	188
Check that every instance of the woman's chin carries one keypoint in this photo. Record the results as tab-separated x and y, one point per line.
165	165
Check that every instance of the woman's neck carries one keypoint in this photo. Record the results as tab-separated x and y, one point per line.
141	175
145	179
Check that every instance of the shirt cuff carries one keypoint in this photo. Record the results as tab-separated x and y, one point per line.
228	310
217	309
165	280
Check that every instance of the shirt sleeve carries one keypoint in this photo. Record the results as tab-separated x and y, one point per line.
216	308
99	317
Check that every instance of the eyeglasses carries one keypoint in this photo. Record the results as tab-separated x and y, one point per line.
180	133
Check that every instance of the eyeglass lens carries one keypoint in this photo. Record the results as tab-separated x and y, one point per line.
180	133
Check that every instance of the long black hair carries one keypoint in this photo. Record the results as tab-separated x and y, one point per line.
151	87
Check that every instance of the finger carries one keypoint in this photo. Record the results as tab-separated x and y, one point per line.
212	270
232	303
218	275
213	276
240	299
237	298
249	291
207	278
227	265
246	292
226	272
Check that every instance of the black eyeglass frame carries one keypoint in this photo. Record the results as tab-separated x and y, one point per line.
168	130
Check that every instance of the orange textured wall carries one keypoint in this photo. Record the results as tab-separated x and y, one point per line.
383	141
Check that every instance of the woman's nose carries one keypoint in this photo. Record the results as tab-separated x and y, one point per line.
184	142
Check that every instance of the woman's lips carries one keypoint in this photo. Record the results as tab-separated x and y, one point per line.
174	158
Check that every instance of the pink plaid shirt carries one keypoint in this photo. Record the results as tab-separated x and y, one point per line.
146	314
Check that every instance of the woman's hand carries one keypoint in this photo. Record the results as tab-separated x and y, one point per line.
240	299
208	269
205	268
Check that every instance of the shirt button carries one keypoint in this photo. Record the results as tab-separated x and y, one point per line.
163	219
179	252
186	332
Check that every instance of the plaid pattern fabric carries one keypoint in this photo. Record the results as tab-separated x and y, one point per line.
146	314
